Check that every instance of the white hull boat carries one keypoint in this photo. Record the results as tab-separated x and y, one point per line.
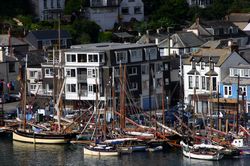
100	151
201	152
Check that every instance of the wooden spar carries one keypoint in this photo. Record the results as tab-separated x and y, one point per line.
163	99
57	106
113	99
183	124
25	96
105	111
122	98
217	131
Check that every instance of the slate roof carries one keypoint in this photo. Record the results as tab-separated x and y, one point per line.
183	40
97	47
217	55
50	34
4	41
216	43
150	38
123	35
239	17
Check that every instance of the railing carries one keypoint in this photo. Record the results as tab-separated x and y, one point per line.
83	93
82	77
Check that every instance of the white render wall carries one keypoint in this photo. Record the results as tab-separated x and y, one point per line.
187	91
104	17
39	7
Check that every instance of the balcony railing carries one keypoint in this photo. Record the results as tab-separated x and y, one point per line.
82	77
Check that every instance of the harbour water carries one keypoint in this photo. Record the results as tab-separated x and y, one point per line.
22	154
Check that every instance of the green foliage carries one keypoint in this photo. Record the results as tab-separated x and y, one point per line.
73	6
83	31
105	36
11	8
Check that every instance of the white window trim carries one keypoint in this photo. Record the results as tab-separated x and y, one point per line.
50	73
134	87
125	58
133	73
228	87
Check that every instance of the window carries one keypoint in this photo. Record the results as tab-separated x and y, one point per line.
214	83
243	89
58	4
144	69
234	72
136	55
70	72
48	72
82	58
197	82
208	83
159	82
151	53
133	86
165	66
166	81
71	58
49	87
71	88
92	58
32	87
121	57
202	65
46	42
52	4
145	84
12	67
45	6
203	82
92	88
132	71
158	67
245	72
125	11
102	57
193	65
137	10
91	73
227	90
131	0
190	82
117	72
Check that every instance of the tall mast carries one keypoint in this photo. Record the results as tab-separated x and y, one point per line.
113	97
25	96
122	105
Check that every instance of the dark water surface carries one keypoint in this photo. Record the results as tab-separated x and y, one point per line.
22	154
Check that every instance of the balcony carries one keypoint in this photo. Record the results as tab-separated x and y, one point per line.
83	93
82	78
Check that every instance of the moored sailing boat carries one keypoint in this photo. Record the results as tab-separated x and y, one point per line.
43	137
201	151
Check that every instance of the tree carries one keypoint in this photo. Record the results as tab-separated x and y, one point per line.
73	6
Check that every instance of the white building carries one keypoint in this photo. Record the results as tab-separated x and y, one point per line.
203	72
108	12
48	9
93	65
131	9
34	80
200	3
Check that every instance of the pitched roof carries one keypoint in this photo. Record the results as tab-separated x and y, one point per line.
218	56
50	34
239	17
183	40
4	41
